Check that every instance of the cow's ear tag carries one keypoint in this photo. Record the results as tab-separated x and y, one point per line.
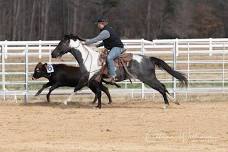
49	68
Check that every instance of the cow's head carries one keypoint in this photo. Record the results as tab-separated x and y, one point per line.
39	71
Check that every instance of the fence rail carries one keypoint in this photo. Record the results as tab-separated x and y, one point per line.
204	61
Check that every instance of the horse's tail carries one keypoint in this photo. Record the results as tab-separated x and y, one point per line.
163	65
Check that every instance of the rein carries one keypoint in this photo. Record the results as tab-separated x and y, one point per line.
87	53
87	57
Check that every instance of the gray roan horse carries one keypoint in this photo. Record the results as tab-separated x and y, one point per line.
141	67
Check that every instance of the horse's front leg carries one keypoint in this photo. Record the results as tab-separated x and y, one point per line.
95	86
73	93
106	91
80	85
99	99
95	99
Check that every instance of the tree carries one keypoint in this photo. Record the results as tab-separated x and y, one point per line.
149	19
206	21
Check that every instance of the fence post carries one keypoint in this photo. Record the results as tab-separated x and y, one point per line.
210	46
26	75
49	55
188	70
3	71
177	47
5	50
223	67
174	66
143	86
40	52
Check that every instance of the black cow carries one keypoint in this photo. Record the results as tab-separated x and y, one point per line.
63	75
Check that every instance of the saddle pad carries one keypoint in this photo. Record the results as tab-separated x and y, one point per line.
49	68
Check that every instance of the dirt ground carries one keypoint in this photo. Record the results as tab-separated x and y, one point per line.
131	126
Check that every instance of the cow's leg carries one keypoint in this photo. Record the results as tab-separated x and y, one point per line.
50	90
43	87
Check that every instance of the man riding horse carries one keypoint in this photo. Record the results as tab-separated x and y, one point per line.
139	66
111	41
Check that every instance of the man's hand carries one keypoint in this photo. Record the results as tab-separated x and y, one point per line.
100	44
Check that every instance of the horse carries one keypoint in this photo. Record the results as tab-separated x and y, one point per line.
61	76
141	67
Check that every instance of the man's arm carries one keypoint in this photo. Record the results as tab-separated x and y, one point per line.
102	36
100	44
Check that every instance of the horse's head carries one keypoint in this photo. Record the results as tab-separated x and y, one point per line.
66	44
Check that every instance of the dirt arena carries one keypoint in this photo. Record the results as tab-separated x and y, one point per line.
132	126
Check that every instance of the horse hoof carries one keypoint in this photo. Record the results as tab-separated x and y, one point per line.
93	102
65	103
109	102
99	107
177	103
165	106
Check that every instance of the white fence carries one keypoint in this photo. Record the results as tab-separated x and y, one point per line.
204	61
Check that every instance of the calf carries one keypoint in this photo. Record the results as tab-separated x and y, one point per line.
62	75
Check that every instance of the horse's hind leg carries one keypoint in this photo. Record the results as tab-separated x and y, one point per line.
157	85
99	99
172	98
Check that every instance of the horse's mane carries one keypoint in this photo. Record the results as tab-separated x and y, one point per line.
74	37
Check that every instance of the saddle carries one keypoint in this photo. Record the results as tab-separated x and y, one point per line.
120	62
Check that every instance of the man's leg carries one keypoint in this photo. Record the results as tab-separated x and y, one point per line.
114	53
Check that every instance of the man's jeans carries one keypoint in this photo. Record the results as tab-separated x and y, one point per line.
114	53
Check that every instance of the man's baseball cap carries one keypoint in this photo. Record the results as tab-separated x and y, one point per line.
101	19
